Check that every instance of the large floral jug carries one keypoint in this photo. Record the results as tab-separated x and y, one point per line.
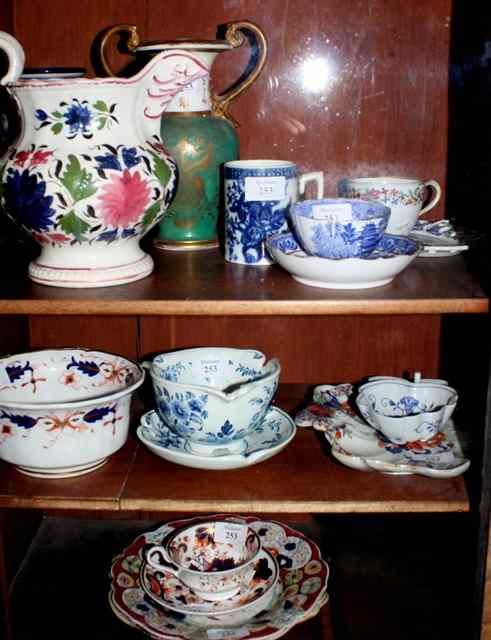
89	174
198	130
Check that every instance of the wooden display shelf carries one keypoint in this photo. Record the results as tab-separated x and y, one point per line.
202	283
302	479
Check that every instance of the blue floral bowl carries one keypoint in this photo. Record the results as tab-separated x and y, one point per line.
406	411
213	395
339	228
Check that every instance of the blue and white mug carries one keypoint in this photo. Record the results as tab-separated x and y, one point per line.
258	196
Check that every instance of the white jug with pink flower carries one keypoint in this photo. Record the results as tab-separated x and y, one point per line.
89	175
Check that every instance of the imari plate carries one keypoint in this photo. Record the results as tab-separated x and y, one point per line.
298	595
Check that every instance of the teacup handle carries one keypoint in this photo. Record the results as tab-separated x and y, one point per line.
313	176
432	184
15	55
166	565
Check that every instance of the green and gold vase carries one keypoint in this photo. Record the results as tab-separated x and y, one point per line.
199	132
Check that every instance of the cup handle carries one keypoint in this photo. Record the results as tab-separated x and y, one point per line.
431	184
313	176
15	55
151	558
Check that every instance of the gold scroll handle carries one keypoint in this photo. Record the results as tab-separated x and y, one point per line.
236	34
132	42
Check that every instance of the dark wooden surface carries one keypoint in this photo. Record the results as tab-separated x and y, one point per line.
201	283
135	480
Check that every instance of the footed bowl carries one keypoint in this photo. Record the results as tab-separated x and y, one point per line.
64	411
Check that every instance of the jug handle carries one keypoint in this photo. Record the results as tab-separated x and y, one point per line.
15	55
132	42
236	33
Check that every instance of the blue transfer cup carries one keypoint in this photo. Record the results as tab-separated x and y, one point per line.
338	228
258	197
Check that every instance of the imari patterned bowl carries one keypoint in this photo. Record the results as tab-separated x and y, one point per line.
212	558
339	228
64	411
213	395
406	411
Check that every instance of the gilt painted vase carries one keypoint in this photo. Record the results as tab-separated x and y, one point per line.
199	132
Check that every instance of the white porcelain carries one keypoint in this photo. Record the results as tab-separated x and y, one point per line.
358	446
258	196
339	228
404	196
89	175
255	593
212	558
406	411
213	396
58	376
298	595
440	239
64	411
273	434
379	268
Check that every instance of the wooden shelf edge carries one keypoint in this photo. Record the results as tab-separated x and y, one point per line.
45	503
312	507
105	307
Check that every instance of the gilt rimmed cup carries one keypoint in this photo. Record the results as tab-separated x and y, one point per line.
404	196
212	558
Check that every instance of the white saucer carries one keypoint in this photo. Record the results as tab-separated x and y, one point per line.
359	446
440	239
269	438
392	255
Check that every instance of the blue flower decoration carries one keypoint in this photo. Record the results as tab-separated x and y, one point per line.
25	194
41	115
129	156
109	161
78	117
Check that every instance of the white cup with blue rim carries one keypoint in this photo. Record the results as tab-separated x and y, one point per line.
258	196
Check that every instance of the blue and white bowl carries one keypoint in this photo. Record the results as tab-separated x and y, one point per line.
338	228
391	256
213	396
406	411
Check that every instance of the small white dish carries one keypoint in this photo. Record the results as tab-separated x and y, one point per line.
274	433
393	255
439	239
359	446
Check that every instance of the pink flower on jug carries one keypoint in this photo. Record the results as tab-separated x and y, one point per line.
40	157
21	158
124	198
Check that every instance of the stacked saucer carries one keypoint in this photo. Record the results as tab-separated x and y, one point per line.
340	243
423	439
284	582
214	408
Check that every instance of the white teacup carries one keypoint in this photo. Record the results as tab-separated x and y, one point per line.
404	196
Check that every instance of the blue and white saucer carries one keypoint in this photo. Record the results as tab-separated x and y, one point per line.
391	256
441	239
269	438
